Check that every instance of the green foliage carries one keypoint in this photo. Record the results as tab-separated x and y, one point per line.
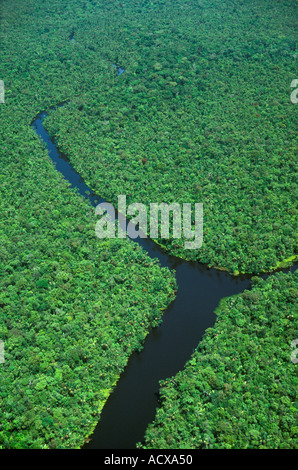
239	390
205	100
201	114
73	308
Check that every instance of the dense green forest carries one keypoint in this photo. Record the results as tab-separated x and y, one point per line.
202	113
240	388
73	307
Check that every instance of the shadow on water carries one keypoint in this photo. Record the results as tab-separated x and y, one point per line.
132	405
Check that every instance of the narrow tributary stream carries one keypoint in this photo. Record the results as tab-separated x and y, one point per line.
132	405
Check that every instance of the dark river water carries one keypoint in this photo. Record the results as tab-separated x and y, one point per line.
132	405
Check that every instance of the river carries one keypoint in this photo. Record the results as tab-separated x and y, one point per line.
132	405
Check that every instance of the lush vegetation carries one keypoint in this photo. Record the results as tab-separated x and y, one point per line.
201	114
239	389
72	307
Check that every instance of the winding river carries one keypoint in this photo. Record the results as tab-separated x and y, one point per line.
132	405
